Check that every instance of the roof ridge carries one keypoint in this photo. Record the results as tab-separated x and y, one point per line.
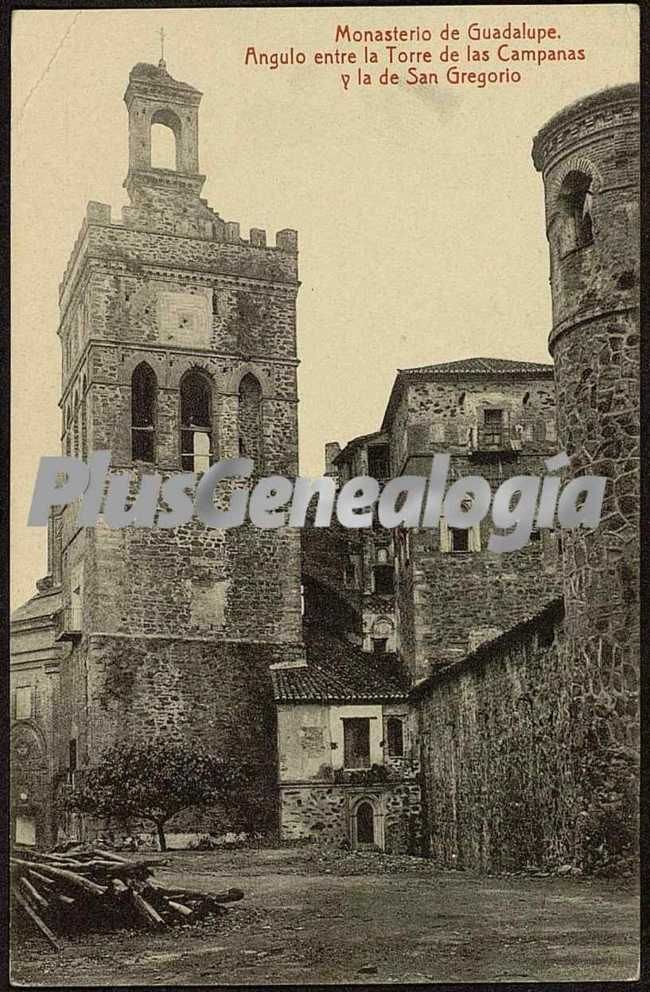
479	363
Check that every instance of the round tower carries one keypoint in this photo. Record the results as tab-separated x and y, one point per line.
588	155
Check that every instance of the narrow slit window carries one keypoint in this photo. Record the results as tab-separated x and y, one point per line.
250	419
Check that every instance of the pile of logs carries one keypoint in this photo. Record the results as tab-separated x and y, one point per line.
91	888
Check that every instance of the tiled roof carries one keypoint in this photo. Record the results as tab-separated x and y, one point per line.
480	366
338	672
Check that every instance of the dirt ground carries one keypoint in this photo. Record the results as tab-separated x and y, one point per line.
311	917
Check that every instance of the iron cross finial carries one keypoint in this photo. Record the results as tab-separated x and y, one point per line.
162	48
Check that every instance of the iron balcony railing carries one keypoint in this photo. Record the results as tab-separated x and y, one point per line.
494	439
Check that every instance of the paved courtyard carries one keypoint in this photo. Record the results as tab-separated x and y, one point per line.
310	917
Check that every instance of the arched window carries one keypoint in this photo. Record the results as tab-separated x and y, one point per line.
574	202
196	422
165	133
143	413
395	737
250	419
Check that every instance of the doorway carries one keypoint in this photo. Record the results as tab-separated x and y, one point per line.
365	824
25	830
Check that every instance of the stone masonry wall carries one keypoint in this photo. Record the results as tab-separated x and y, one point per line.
595	343
133	688
443	596
323	813
507	741
437	415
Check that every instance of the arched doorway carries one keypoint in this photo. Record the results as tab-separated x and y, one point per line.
365	816
29	787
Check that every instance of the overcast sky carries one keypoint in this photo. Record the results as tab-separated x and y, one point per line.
419	212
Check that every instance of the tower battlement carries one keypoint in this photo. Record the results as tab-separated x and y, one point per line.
263	262
167	218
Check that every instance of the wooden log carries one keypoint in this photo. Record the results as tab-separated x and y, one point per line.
58	859
179	908
67	900
40	878
146	910
110	855
88	867
78	881
232	895
36	919
29	888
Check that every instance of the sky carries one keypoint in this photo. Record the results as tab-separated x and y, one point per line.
419	212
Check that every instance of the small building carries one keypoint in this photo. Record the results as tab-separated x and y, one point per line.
347	748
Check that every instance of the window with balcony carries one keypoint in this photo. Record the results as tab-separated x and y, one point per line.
492	427
356	743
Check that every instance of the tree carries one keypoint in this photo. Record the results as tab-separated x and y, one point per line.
155	780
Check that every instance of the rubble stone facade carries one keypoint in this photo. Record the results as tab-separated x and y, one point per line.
494	418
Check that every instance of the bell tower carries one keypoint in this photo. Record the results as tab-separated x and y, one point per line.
154	97
179	344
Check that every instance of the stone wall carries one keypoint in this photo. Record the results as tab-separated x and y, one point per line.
595	345
179	625
324	812
443	596
117	689
437	414
595	342
508	739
